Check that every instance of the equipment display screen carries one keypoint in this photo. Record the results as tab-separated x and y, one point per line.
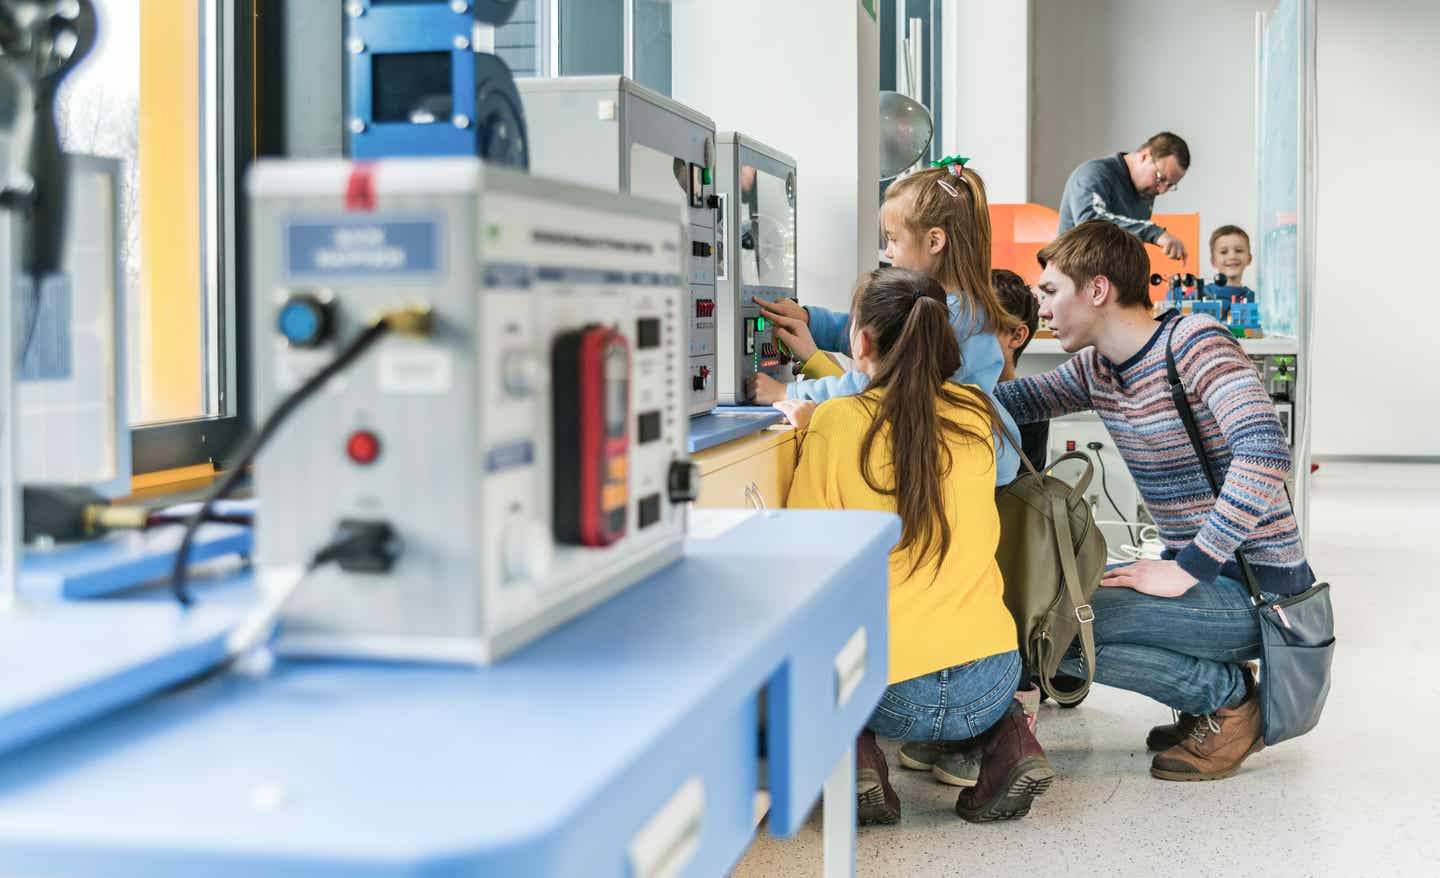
617	389
659	175
767	229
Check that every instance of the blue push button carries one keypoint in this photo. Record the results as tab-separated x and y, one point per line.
304	321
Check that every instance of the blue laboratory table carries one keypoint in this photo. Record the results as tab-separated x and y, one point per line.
621	744
66	663
728	423
123	560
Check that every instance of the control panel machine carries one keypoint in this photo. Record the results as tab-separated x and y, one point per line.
755	259
516	465
612	132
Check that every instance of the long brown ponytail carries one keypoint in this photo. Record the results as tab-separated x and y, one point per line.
955	201
906	316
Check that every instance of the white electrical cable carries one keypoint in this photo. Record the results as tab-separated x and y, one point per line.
276	588
1149	549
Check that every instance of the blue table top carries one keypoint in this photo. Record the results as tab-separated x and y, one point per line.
63	663
725	424
352	767
124	560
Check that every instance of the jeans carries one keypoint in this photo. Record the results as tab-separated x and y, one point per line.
1184	652
954	704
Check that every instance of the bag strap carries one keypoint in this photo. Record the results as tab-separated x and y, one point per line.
1070	573
1187	415
1077	489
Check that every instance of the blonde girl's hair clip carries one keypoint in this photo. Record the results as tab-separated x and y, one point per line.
954	164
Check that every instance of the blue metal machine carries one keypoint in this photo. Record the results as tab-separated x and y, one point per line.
420	86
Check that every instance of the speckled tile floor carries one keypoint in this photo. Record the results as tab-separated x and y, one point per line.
1355	797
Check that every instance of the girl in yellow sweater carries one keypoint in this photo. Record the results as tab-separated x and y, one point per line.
917	445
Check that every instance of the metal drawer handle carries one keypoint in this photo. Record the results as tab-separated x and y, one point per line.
667	843
850	666
754	498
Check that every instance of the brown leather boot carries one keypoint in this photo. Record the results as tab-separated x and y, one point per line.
875	800
1013	771
1216	745
1164	737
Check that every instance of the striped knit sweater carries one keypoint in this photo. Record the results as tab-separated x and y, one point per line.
1238	428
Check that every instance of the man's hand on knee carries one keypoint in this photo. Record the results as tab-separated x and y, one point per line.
1165	579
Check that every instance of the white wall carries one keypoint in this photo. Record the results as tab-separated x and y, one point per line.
1377	369
986	67
806	84
1107	74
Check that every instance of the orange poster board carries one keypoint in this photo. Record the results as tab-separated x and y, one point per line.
1018	231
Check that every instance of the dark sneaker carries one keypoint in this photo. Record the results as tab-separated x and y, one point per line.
1216	745
1013	771
875	799
960	768
1165	737
922	755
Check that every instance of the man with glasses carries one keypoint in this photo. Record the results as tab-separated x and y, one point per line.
1121	189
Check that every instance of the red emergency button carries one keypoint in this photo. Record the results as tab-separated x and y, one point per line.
363	446
1070	445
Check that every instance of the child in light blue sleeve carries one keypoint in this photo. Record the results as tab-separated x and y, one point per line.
936	221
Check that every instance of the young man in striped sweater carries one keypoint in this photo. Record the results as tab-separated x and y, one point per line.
1179	629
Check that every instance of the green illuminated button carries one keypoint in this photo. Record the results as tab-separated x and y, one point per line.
705	176
759	324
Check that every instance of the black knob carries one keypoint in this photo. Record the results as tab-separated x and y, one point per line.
1156	280
712	202
700	248
1221	280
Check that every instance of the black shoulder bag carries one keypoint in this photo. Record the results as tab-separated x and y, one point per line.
1297	634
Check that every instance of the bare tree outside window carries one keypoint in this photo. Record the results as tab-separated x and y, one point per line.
98	113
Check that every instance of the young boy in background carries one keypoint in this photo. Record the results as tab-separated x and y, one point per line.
1020	301
1230	255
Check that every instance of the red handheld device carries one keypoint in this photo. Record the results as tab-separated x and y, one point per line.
591	406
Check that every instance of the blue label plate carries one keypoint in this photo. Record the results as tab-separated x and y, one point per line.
369	248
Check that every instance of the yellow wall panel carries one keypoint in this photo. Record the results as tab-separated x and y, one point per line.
172	313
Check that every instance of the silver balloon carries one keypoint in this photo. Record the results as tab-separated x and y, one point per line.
905	132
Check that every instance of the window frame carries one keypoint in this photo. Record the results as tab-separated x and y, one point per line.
210	440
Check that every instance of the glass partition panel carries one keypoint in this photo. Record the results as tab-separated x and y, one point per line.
1277	231
592	37
767	229
657	174
652	44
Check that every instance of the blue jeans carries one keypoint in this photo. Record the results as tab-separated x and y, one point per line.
1184	652
954	704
